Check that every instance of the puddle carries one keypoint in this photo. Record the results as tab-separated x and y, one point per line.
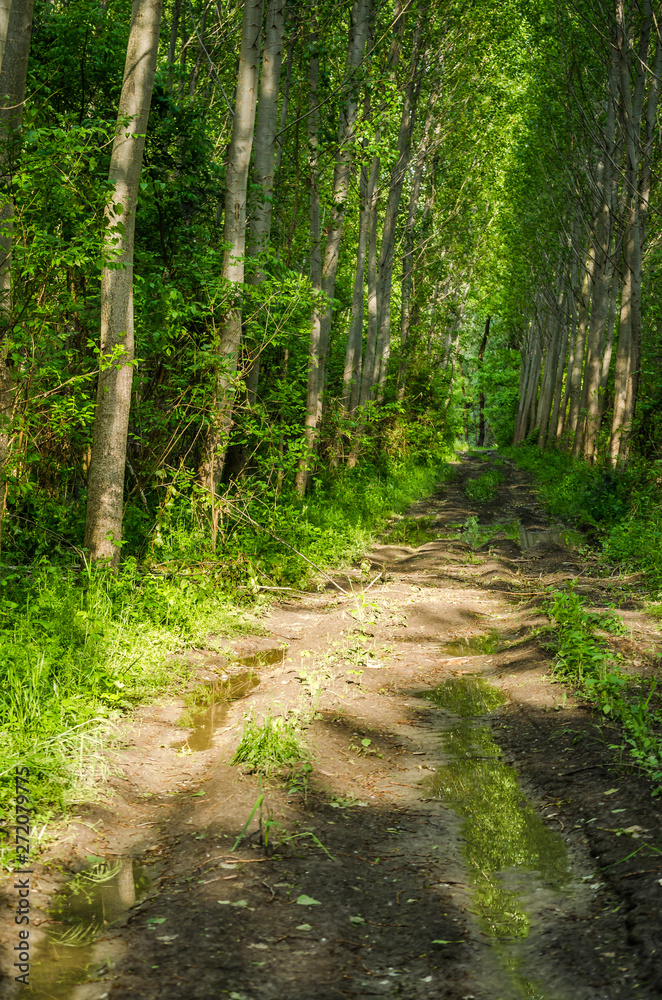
529	538
91	900
209	707
474	645
264	657
517	865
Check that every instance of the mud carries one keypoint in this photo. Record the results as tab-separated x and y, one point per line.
466	830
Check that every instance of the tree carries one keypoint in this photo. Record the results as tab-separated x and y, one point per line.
105	488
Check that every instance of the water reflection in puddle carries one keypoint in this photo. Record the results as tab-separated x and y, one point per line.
209	703
209	708
474	645
90	901
516	864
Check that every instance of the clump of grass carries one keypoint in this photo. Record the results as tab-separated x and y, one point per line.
484	487
276	742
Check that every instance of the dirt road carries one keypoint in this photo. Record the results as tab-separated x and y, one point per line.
465	832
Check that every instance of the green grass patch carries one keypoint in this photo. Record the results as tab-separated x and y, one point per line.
584	660
484	487
276	742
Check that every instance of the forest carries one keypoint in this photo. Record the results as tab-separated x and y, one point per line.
267	268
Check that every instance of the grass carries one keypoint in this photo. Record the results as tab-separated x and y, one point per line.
584	659
484	487
275	743
622	510
79	649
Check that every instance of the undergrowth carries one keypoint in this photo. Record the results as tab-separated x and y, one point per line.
623	510
80	648
583	659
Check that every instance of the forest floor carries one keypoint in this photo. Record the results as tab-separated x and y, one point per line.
467	829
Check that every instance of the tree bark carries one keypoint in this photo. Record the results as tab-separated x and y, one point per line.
264	159
358	34
408	250
553	423
315	263
385	269
633	66
105	487
481	403
15	32
575	373
236	183
354	352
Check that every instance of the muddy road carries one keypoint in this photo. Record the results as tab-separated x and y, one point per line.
466	830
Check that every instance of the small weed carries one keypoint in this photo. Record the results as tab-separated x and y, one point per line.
276	743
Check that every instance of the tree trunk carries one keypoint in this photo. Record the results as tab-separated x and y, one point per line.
371	341
280	140
553	422
264	159
408	251
358	34
315	263
105	485
481	405
587	431
631	65
236	183
354	352
575	373
385	269
15	32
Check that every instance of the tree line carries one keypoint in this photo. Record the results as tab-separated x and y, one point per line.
238	243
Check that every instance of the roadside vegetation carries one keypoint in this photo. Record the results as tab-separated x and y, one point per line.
585	660
79	647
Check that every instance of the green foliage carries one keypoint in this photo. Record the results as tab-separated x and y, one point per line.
484	487
623	509
584	660
77	649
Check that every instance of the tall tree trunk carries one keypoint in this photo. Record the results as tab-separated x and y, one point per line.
264	159
552	349
481	404
553	422
15	32
358	34
105	485
575	374
354	352
631	65
408	250
315	262
280	139
236	183
371	341
587	430
385	268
